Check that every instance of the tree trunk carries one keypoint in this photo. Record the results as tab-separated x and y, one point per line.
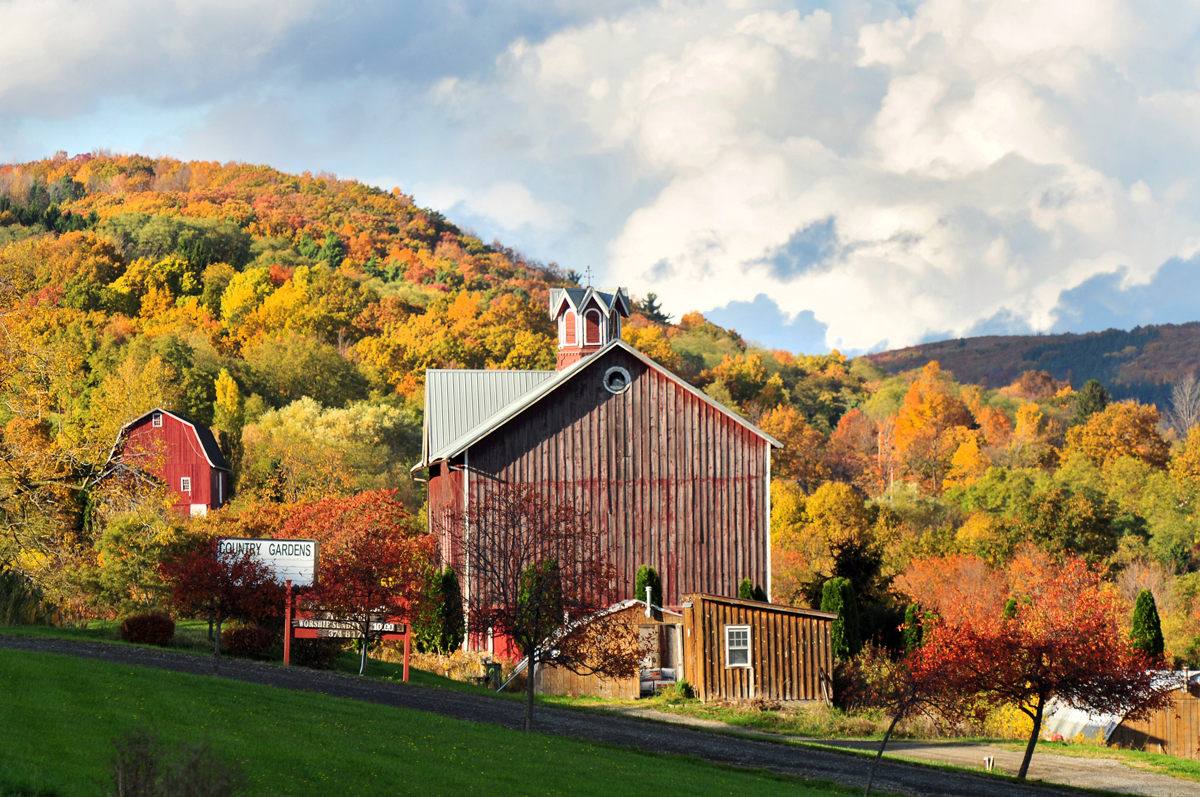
217	645
529	669
1033	737
362	667
879	755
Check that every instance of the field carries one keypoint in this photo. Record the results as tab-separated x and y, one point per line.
59	718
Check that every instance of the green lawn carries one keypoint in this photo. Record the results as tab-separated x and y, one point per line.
59	717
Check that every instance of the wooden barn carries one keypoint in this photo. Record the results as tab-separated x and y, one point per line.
725	648
180	453
1172	730
672	478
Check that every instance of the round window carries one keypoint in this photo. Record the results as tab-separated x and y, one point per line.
616	379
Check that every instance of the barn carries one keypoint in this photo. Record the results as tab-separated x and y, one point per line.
672	478
180	453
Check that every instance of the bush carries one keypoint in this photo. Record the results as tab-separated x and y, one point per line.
441	626
249	641
153	628
22	604
318	654
145	767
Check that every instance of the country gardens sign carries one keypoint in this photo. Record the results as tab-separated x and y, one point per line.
286	559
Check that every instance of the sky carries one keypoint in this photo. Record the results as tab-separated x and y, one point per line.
850	175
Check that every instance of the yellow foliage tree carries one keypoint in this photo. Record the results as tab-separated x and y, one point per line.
802	458
1125	429
925	438
968	464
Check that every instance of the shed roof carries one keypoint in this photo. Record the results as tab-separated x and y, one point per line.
204	435
550	381
774	607
457	401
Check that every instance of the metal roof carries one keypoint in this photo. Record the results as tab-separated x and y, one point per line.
550	380
457	401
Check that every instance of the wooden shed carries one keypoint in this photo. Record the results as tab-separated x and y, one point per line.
1172	730
660	633
724	648
746	649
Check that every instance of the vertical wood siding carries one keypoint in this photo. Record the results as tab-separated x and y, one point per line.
445	503
174	452
790	650
671	481
1174	730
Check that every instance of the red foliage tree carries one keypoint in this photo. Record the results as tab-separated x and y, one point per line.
1063	641
537	575
221	586
371	567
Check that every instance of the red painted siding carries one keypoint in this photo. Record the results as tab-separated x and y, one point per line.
673	482
173	452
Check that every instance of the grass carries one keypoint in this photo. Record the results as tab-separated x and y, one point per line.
59	717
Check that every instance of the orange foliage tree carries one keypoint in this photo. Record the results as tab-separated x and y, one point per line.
928	426
802	457
1064	641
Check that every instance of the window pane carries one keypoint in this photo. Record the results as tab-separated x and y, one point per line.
738	657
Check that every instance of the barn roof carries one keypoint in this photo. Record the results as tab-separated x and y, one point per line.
576	298
549	381
457	401
204	435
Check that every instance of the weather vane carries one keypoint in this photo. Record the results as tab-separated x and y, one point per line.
587	275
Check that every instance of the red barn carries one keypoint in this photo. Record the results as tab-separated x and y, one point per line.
180	453
673	478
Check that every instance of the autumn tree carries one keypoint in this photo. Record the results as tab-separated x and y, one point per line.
1185	404
1063	641
221	585
440	624
371	574
929	426
537	575
802	457
1128	428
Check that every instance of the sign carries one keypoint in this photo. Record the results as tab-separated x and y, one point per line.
286	559
345	628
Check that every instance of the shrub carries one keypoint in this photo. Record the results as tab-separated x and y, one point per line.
22	604
318	654
838	596
248	641
441	626
145	767
647	576
153	628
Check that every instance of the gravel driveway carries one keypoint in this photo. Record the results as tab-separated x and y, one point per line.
589	726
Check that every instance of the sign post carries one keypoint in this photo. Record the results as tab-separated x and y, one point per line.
287	626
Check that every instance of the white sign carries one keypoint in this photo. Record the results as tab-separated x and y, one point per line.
286	559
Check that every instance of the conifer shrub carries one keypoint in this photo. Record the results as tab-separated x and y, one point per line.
746	590
838	596
150	628
441	625
760	594
647	576
248	641
913	630
1146	634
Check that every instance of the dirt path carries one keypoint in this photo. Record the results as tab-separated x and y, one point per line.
589	726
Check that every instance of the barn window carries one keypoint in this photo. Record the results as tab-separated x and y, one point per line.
592	319
185	484
616	380
737	646
569	331
156	420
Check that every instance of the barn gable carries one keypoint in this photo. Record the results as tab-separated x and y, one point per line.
184	455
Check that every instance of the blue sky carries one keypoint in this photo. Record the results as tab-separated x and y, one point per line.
847	174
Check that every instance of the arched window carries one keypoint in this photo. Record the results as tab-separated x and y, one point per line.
592	317
569	328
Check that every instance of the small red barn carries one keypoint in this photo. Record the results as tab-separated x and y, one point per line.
672	478
181	453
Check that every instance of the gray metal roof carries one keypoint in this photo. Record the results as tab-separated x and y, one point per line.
457	401
548	382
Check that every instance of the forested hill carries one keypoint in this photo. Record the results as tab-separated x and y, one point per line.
1141	363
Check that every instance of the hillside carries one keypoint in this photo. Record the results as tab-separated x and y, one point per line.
1142	363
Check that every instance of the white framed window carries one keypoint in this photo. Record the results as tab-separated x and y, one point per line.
592	321
185	484
737	646
156	420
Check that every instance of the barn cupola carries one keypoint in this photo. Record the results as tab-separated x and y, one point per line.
587	319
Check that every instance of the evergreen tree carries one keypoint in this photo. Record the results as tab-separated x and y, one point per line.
838	596
746	590
653	310
441	626
914	631
647	576
1010	608
1092	398
1147	630
760	594
332	250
